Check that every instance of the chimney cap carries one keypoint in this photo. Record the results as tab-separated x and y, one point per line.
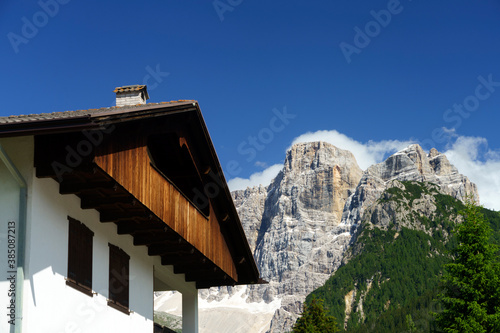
135	87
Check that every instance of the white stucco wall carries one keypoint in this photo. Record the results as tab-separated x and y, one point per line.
49	304
69	309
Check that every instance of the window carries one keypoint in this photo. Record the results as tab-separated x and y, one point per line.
118	279
79	256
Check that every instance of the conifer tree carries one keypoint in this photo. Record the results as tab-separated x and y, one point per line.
471	284
410	325
315	320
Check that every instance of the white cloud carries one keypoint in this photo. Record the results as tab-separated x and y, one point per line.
264	177
474	159
366	154
470	155
450	132
261	164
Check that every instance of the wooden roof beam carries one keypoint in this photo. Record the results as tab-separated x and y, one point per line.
95	202
171	248
66	187
130	227
150	238
196	268
114	216
207	276
172	259
47	169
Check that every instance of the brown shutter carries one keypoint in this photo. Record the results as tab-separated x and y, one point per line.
73	250
80	255
86	263
118	276
124	295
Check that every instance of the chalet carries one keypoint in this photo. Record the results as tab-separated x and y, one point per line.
101	208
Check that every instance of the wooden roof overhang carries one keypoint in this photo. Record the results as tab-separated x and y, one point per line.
105	159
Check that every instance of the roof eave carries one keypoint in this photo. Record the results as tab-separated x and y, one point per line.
91	120
233	212
46	126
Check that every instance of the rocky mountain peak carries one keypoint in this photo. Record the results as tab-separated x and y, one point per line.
312	210
301	225
441	165
317	177
310	156
412	163
433	153
300	240
409	164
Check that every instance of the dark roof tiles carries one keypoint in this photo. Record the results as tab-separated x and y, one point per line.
79	113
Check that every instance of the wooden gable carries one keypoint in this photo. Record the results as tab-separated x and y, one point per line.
158	179
126	158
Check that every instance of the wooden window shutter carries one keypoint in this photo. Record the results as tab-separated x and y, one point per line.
86	263
118	277
80	240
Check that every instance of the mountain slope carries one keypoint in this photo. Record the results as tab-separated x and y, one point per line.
394	267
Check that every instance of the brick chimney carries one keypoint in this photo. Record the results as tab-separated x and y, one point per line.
131	95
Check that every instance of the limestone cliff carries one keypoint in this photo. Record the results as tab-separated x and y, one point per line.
410	164
294	227
250	206
301	240
301	224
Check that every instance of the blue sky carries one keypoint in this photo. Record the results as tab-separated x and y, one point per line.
379	74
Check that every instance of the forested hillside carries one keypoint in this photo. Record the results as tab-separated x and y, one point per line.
391	274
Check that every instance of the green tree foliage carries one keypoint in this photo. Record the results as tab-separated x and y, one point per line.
471	285
402	273
410	325
315	320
